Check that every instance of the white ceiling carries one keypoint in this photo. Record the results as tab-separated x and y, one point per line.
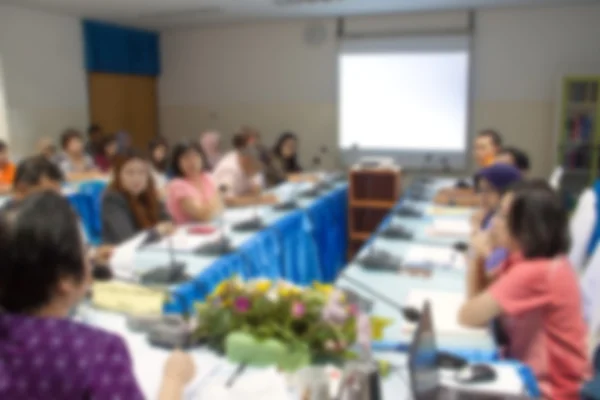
171	13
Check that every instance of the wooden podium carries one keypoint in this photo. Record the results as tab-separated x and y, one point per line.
371	196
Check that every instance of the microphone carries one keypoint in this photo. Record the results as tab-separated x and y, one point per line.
396	232
408	212
314	191
170	274
290	204
253	224
222	245
380	260
409	313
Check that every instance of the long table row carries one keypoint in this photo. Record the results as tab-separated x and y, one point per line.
263	253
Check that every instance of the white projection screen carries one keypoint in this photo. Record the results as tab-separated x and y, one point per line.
406	98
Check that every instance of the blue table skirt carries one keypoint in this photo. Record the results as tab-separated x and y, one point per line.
303	246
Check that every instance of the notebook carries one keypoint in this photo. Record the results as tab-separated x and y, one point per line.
438	256
451	227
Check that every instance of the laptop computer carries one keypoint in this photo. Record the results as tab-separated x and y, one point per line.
424	374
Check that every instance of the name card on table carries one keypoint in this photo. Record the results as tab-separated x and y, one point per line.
128	298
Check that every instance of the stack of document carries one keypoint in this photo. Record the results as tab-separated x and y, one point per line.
445	211
444	309
434	256
253	384
452	227
182	240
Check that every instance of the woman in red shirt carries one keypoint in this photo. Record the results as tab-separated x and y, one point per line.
536	295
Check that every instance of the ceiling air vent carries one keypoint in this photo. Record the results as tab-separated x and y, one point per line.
193	12
303	2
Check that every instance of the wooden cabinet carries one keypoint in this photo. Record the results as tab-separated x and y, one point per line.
373	193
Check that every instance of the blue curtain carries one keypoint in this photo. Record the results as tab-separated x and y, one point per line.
119	50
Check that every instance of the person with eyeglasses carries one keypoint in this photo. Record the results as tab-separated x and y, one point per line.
240	175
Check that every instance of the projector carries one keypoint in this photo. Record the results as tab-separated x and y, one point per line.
376	162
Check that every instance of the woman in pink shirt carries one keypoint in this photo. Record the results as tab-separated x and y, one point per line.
536	295
191	195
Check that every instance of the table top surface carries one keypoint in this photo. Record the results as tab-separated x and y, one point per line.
148	361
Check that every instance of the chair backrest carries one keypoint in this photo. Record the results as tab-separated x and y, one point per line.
581	228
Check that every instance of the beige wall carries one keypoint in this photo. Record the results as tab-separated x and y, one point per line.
44	80
267	76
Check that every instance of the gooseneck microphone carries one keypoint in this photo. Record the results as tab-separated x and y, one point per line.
254	223
222	245
170	274
409	313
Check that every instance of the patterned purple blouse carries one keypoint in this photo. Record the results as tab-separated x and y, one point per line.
51	358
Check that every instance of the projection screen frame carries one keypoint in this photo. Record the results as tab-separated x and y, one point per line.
429	161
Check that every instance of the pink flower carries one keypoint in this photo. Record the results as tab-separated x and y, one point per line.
364	333
298	309
353	309
334	311
242	304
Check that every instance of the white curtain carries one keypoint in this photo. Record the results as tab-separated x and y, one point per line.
3	111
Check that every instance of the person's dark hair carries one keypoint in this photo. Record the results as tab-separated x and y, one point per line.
289	164
3	145
179	151
146	206
159	165
537	220
107	141
69	135
240	140
93	129
520	158
40	243
31	170
494	136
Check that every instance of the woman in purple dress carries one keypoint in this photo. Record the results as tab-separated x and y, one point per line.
43	275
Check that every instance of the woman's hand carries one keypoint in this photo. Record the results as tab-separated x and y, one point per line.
269	199
165	228
481	244
476	221
179	368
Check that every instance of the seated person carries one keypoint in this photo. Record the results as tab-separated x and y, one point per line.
536	295
131	203
284	164
486	147
210	142
191	194
36	174
490	185
158	150
46	148
76	164
106	154
95	141
515	157
239	175
44	275
7	169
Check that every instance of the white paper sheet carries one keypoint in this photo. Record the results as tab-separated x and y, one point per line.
444	211
444	310
122	259
236	215
254	384
181	240
450	227
440	256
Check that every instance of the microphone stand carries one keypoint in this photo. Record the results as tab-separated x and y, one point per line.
222	245
408	312
172	273
253	224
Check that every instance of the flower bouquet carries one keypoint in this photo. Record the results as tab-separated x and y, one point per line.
264	323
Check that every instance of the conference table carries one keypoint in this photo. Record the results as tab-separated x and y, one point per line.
313	219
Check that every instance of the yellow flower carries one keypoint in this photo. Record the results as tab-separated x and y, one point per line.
322	288
263	286
221	288
378	325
